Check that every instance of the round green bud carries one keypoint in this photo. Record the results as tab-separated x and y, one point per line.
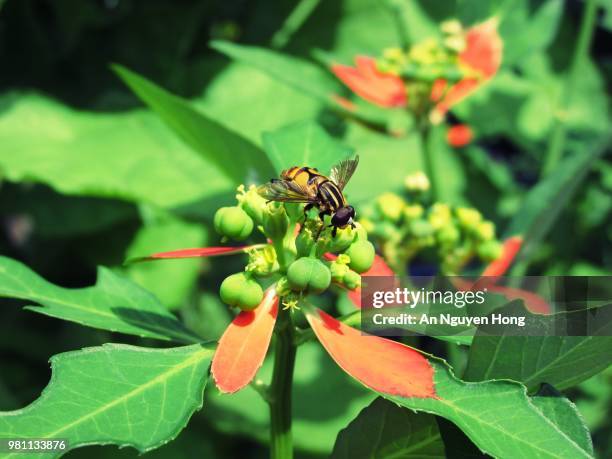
344	238
338	271
252	203
489	250
421	228
413	211
485	231
233	222
242	291
308	274
352	280
390	206
304	242
362	256
448	235
275	221
439	215
468	218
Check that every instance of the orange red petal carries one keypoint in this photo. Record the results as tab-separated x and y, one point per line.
380	364
244	344
193	253
482	55
365	80
510	249
459	135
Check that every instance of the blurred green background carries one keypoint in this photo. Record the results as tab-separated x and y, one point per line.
89	176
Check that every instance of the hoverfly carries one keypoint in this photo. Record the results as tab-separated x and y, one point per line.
307	185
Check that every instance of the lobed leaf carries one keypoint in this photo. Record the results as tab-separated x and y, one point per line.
562	361
114	394
386	430
114	303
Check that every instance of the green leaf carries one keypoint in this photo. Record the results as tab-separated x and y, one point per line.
300	74
250	101
114	303
545	201
562	361
497	416
130	156
303	144
233	155
564	414
169	280
384	430
125	395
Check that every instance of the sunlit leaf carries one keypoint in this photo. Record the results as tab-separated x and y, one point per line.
114	303
124	395
304	144
235	156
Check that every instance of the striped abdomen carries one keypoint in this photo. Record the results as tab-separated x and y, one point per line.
330	194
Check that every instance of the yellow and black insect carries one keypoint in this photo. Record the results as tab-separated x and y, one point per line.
306	184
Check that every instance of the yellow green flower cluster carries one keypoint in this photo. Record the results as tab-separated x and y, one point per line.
407	226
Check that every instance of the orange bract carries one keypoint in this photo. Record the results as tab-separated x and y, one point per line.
482	55
365	80
381	364
244	344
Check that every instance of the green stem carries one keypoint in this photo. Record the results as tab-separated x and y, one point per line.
281	444
556	143
428	160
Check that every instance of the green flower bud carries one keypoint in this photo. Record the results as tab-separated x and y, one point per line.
352	280
338	271
252	203
448	235
233	222
242	291
421	228
304	242
344	238
468	218
362	256
489	250
413	211
439	215
485	231
417	182
308	274
275	221
390	206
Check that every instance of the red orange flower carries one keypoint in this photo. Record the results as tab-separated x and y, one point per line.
365	80
482	58
380	364
480	61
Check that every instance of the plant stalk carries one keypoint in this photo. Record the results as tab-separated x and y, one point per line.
556	144
281	441
429	161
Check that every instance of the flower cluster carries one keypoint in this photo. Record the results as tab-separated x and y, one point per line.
298	258
406	226
431	76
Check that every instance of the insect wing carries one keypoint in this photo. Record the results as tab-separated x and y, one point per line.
284	191
342	172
